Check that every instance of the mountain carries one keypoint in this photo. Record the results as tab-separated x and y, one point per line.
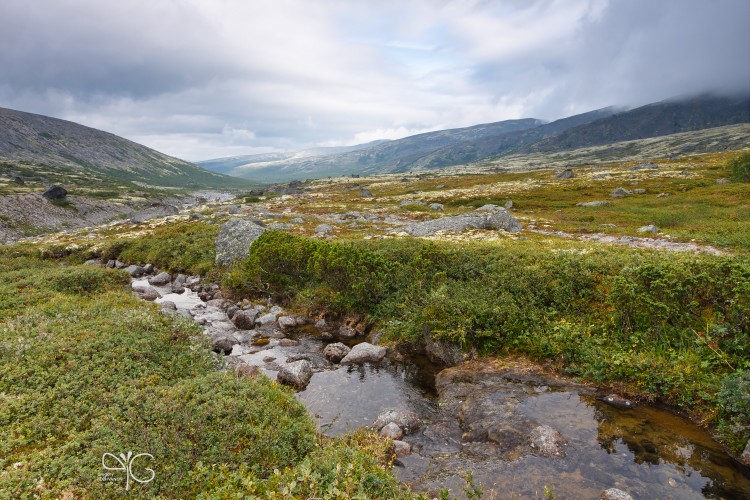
391	156
653	120
61	150
228	164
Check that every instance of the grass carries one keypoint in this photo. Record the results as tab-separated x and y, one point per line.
86	369
661	326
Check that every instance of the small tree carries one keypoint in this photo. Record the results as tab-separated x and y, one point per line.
740	167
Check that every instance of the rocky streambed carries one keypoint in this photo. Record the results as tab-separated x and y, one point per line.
515	428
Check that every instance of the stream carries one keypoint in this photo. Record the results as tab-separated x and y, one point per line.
477	417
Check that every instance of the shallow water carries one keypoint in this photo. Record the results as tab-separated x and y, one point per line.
645	451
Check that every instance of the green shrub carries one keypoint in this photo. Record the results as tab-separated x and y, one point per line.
739	167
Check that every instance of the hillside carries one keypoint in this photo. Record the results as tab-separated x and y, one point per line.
392	156
61	151
654	120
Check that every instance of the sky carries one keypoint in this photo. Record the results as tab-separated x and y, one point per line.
201	79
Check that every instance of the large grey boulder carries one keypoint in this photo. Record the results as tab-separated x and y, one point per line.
245	320
499	218
547	442
234	240
364	353
55	193
296	374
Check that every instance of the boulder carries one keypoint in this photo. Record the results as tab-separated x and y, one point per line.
648	229
437	206
323	229
267	320
150	293
148	268
336	352
401	448
223	345
135	271
614	494
410	202
407	420
619	193
234	240
347	332
547	442
392	430
178	288
365	193
55	193
497	219
296	374
245	320
160	279
565	174
364	353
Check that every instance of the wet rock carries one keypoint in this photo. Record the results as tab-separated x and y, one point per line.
565	174
178	288
547	442
160	279
135	271
267	320
55	193
619	193
234	240
407	420
364	353
287	322
336	352
401	448
648	229
499	219
223	345
392	430
618	402
614	494
296	374
593	204
150	294
245	320
442	352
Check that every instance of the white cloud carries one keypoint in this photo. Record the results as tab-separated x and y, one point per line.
209	78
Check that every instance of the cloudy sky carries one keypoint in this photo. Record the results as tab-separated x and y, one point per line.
202	79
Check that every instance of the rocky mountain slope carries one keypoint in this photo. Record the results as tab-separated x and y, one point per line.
498	140
30	143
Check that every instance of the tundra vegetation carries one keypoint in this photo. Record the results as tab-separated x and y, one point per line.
89	369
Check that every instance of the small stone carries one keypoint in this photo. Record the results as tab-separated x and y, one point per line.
407	420
323	229
320	324
392	430
437	206
148	268
401	448
266	319
614	494
662	195
135	271
593	204
287	322
648	229
566	174
223	345
335	352
508	205
150	294
288	343
365	193
547	442
619	192
347	332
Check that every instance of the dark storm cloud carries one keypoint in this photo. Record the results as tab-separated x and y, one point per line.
207	78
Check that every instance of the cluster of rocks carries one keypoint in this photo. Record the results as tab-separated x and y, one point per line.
491	217
395	424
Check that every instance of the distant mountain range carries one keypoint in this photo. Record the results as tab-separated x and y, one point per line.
460	146
63	150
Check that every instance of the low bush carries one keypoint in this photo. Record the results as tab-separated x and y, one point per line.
739	166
